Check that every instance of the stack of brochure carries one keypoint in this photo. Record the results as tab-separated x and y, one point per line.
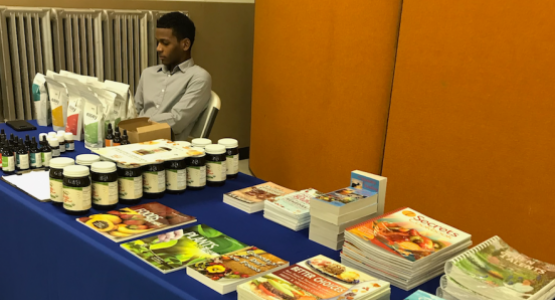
291	210
252	199
403	247
332	213
494	270
315	278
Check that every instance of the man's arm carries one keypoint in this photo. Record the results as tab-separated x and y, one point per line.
190	106
139	97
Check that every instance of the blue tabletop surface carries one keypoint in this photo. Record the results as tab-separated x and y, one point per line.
46	254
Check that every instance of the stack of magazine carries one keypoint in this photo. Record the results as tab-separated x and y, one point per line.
403	247
493	270
332	213
291	210
252	199
315	278
210	256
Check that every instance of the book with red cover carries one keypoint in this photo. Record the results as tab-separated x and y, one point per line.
136	221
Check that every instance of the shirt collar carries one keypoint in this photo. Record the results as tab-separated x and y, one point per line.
182	66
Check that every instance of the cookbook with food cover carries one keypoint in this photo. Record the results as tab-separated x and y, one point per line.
313	279
495	269
345	196
371	182
136	221
224	273
175	250
408	234
268	191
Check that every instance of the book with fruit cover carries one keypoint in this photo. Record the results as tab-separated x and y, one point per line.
316	278
370	182
297	203
341	202
136	221
495	270
252	199
421	295
175	250
224	273
406	234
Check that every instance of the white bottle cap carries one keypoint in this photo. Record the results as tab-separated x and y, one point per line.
61	132
183	143
229	143
61	139
103	167
87	159
61	162
52	134
215	149
76	171
41	135
68	136
201	142
53	142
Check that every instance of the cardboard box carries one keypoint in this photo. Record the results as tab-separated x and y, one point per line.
142	130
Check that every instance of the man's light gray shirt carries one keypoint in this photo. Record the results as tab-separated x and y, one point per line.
177	97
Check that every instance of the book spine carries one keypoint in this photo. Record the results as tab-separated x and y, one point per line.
450	264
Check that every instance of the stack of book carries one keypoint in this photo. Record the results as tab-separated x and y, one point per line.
211	257
403	247
252	199
421	295
315	278
291	210
493	270
332	213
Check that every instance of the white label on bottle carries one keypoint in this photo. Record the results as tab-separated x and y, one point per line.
46	157
154	182
8	163
77	198
70	146
55	152
216	171
56	190
130	188
23	161
176	180
105	193
196	176
232	162
36	160
62	147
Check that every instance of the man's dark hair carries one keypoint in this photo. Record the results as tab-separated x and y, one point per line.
180	24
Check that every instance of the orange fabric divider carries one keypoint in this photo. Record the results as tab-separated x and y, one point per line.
321	88
470	139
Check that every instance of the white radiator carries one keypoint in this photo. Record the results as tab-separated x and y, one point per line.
78	41
26	48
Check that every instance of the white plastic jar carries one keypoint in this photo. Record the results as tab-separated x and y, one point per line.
232	155
57	178
201	143
216	162
87	159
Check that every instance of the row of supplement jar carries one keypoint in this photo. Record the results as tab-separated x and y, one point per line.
222	160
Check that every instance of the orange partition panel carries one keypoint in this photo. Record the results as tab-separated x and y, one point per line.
321	88
471	134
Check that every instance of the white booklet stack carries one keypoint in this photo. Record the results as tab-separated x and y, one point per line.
403	247
252	199
334	212
291	210
315	278
495	271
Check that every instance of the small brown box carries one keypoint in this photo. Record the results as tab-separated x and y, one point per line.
142	130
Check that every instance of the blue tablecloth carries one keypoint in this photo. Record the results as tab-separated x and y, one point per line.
46	254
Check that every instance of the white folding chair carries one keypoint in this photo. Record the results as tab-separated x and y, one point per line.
203	126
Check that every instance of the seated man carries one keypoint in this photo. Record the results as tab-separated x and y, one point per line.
177	91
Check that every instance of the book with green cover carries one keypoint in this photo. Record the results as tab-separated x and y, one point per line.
178	249
493	269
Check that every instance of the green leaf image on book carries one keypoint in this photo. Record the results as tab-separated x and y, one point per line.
198	243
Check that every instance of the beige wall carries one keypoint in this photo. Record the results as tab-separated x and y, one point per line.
224	47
